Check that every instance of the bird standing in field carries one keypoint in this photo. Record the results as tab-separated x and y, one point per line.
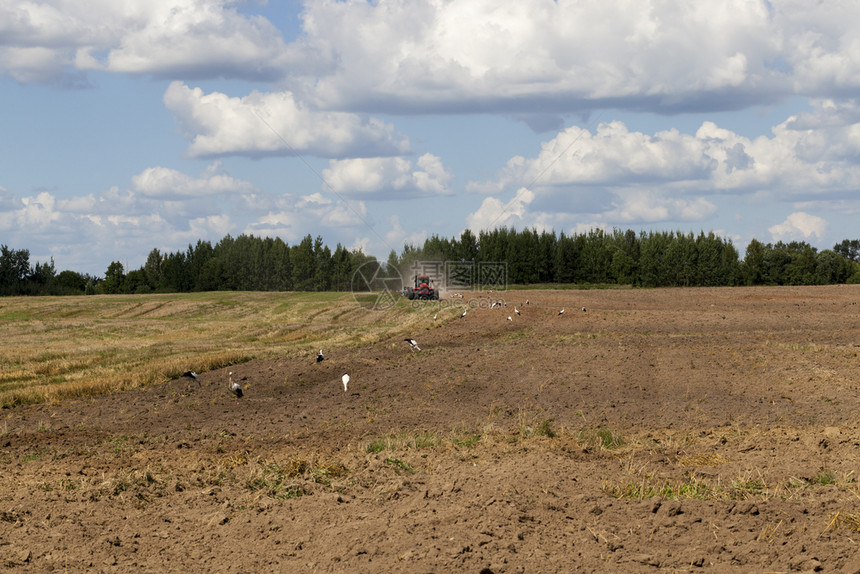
191	375
434	316
320	356
561	312
510	318
517	311
345	380
464	313
583	309
413	344
235	388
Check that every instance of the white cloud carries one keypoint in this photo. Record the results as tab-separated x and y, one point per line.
619	176
611	156
274	124
45	41
397	236
388	178
425	56
798	225
165	183
86	232
648	206
493	213
433	55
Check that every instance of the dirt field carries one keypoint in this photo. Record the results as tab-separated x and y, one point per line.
658	430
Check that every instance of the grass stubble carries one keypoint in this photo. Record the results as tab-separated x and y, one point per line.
64	347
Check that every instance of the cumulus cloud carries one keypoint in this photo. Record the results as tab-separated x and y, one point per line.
170	183
87	232
621	176
428	56
55	41
274	124
648	207
433	55
493	213
389	178
397	235
798	225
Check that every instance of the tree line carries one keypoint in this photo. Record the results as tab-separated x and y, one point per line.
646	259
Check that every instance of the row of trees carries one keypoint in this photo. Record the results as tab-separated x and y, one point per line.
647	259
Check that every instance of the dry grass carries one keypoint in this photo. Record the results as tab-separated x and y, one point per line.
60	347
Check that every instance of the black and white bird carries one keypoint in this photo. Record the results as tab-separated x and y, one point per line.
434	316
583	309
464	313
510	318
413	344
561	312
235	388
320	356
517	311
345	380
191	375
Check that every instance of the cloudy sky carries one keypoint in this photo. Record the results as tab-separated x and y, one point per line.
128	126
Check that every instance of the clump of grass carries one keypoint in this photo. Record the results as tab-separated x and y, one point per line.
274	480
703	459
844	520
399	465
544	428
824	478
325	472
403	440
646	488
466	440
602	438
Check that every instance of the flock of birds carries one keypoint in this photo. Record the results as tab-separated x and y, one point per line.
236	389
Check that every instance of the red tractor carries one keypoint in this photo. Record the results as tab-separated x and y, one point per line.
422	289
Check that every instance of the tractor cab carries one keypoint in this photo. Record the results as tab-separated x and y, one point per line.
422	289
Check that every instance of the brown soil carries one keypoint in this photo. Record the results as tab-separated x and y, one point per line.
512	446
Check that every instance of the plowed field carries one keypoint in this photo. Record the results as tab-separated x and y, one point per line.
678	430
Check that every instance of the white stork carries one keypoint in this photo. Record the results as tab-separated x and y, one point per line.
561	312
320	356
234	387
413	344
345	380
464	313
517	311
509	318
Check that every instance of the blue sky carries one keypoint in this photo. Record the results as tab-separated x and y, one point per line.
132	126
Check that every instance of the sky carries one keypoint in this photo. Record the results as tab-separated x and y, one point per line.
132	126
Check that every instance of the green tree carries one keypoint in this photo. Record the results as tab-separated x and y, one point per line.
153	269
849	249
304	264
14	267
69	283
753	267
830	267
114	281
